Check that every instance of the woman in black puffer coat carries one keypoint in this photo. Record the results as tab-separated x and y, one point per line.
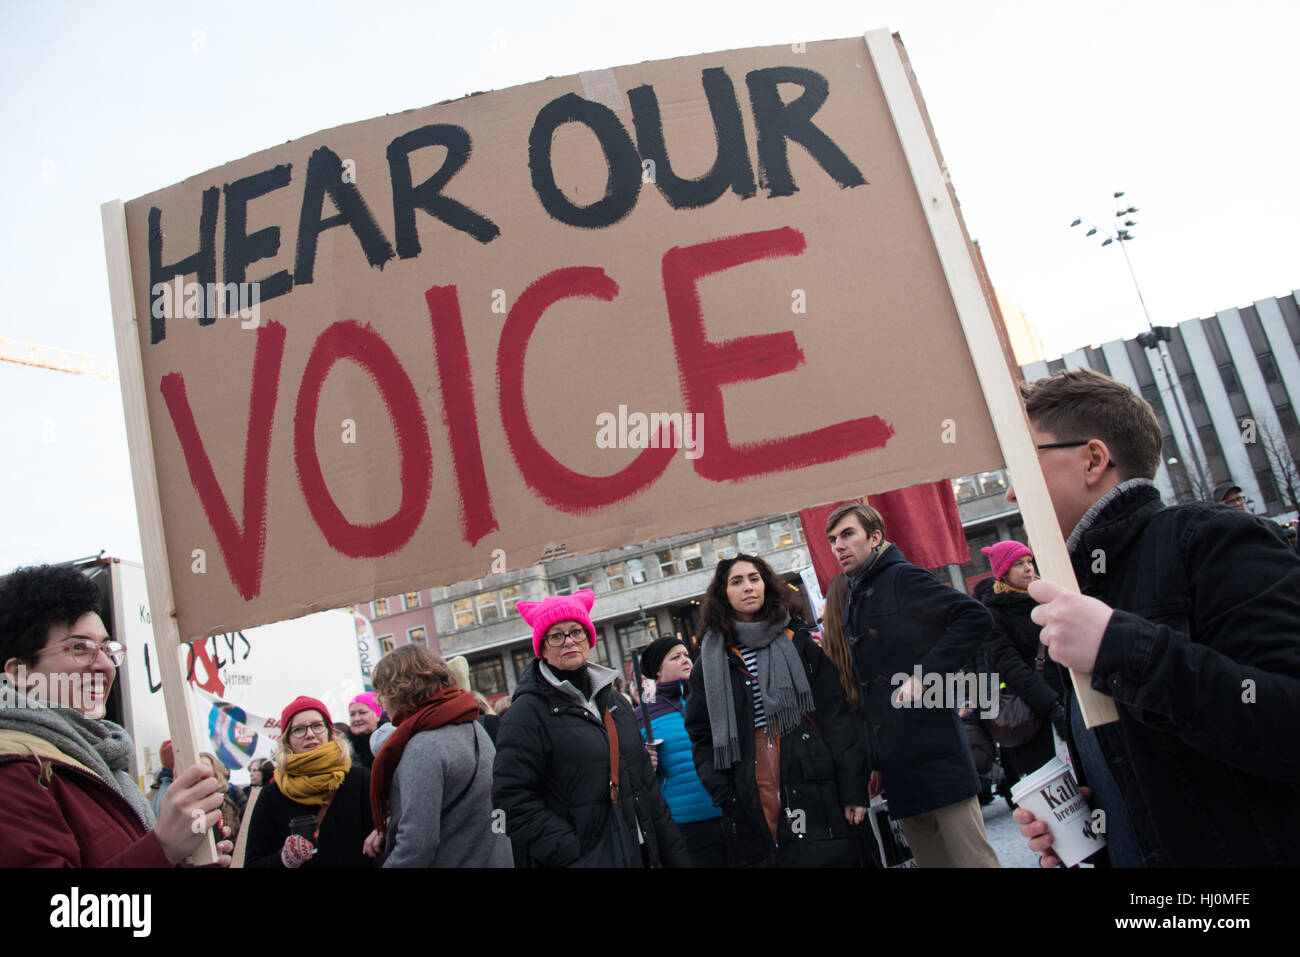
774	742
553	766
1013	650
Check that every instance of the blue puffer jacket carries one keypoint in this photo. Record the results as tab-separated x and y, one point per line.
687	799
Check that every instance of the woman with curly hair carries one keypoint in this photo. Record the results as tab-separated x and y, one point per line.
774	742
431	783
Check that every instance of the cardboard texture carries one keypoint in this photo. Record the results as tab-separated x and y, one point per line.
453	301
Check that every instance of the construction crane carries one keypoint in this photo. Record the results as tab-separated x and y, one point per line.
59	360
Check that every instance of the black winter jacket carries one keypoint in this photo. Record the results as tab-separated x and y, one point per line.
1013	646
1202	658
345	828
551	778
899	616
823	770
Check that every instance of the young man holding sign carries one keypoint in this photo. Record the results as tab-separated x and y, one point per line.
1189	618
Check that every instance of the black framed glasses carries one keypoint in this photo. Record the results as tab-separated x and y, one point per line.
1070	445
316	727
559	638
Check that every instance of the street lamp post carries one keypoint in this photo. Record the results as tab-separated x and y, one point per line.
1156	335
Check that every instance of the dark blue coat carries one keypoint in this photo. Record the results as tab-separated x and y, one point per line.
896	617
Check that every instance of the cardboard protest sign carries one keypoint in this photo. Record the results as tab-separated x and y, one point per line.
583	312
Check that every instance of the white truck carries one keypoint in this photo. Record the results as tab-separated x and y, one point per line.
237	683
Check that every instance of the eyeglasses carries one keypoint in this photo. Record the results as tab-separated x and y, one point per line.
316	727
1070	445
559	639
1234	500
83	650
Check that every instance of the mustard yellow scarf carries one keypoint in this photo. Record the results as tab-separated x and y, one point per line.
311	777
1002	588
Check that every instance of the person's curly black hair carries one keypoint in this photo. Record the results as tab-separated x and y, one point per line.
35	598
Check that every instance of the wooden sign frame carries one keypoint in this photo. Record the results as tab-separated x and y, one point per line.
1000	393
167	638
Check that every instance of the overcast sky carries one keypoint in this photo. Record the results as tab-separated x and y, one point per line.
1190	107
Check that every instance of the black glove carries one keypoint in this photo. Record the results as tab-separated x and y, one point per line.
1057	717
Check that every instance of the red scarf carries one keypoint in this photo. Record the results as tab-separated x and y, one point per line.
448	705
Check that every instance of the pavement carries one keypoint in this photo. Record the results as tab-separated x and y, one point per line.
1004	836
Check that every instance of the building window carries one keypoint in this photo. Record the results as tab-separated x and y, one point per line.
1268	367
615	576
561	586
1192	389
782	537
487	677
385	644
488	609
636	571
747	541
522	658
463	608
692	558
380	606
510	598
1286	418
993	483
724	547
582	580
667	564
631	635
965	487
1228	373
1268	488
417	635
411	600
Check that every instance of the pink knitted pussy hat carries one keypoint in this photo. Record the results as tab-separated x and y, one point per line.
1002	555
542	614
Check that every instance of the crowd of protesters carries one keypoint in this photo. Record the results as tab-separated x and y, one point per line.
769	747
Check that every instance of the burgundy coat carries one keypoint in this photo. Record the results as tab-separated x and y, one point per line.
54	812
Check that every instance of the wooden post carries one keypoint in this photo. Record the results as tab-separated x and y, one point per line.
185	740
1000	393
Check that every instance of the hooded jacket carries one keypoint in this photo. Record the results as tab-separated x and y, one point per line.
56	812
1202	659
899	617
551	778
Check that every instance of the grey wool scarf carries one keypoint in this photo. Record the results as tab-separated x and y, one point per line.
787	696
102	746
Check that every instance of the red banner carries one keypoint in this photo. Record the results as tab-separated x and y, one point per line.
922	520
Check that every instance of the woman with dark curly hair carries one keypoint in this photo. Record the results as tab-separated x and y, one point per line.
774	742
67	796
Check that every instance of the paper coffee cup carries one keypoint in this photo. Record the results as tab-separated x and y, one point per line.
1051	794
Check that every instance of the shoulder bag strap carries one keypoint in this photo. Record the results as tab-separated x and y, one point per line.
320	815
612	733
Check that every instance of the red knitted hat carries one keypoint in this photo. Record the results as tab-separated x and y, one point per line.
1002	555
302	703
542	614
